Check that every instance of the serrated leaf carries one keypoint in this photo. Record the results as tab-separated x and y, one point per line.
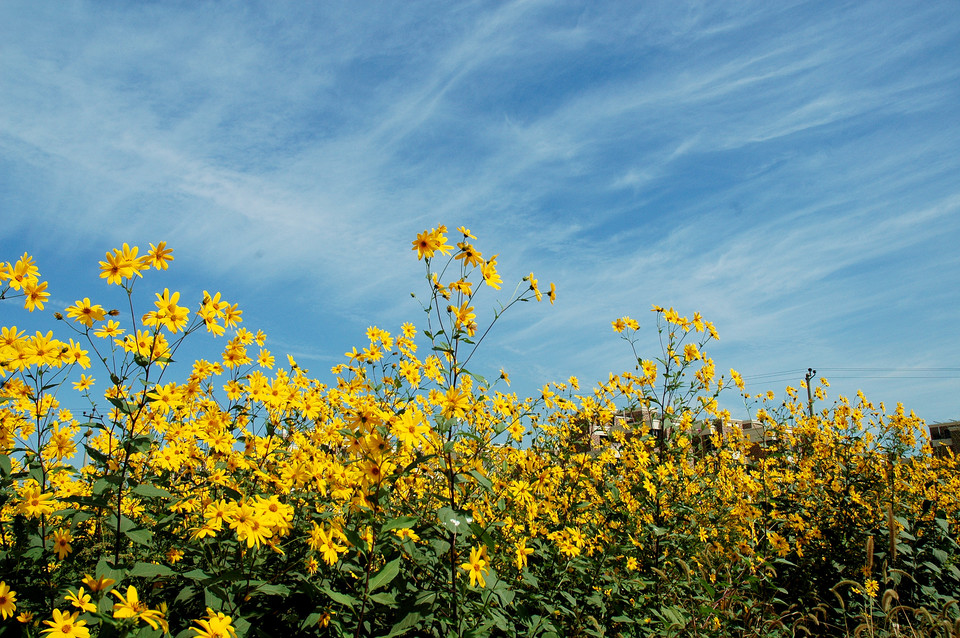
185	593
453	521
385	598
482	480
242	625
6	467
403	522
96	455
311	620
140	536
407	623
148	490
149	570
197	574
337	597
385	575
125	523
139	444
125	407
269	589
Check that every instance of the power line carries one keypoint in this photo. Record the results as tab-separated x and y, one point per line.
894	373
899	376
894	369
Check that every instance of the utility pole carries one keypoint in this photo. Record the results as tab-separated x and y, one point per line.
808	378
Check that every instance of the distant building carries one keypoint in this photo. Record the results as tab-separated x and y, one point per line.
700	433
945	436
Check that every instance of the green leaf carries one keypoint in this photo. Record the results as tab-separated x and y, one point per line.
311	620
337	597
125	407
185	594
385	575
402	522
505	595
242	625
6	467
149	570
140	536
385	598
406	623
196	574
125	523
943	524
453	521
97	455
482	480
139	444
269	589
148	490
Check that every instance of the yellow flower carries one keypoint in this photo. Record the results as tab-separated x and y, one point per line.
325	543
871	587
111	329
737	379
405	533
215	625
130	606
159	255
61	543
85	383
476	567
534	287
429	242
455	403
81	600
623	323
8	600
490	275
122	264
36	503
66	625
98	585
521	553
25	270
464	315
35	295
73	353
168	313
410	427
86	313
469	254
246	520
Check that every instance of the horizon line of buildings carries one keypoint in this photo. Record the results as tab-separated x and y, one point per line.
944	437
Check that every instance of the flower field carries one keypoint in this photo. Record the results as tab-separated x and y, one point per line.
412	497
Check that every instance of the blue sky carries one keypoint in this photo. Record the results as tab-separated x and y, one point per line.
790	170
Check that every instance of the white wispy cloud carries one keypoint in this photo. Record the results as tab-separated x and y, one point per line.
764	163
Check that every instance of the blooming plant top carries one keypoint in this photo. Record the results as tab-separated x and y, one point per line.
409	495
